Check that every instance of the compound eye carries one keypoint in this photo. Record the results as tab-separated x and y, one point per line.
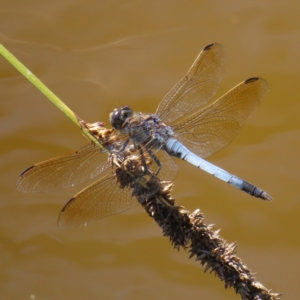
126	112
114	118
119	116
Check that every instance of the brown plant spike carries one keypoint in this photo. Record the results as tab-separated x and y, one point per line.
184	229
188	230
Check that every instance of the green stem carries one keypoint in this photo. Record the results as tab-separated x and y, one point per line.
42	88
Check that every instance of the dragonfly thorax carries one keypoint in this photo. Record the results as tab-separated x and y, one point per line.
142	128
149	128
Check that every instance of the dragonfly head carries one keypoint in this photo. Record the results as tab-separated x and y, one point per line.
119	116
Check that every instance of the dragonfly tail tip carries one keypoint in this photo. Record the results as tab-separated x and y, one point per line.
266	196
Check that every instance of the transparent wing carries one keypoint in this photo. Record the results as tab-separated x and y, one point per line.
210	129
99	200
197	87
169	167
162	164
64	171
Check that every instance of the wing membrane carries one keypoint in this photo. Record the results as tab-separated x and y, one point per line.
197	87
99	200
213	127
169	167
64	171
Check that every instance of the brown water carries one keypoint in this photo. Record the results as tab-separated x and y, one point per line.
97	55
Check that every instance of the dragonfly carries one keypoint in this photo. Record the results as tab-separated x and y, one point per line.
182	127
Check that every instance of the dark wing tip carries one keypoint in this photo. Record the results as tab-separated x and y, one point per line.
26	170
208	47
250	80
20	183
68	203
257	80
63	220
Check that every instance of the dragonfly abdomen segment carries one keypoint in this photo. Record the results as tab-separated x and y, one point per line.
177	149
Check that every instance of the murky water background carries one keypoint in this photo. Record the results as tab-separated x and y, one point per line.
98	55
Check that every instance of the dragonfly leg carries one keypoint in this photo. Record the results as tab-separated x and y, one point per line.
157	161
143	160
125	145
